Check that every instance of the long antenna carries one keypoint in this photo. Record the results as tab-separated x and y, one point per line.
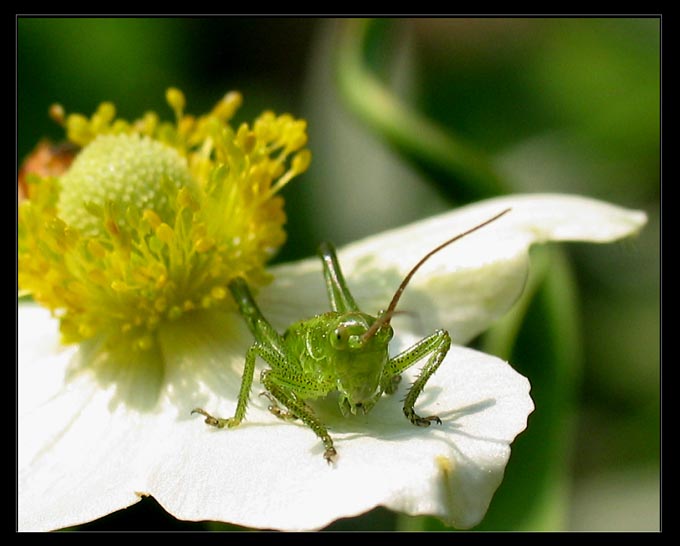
386	317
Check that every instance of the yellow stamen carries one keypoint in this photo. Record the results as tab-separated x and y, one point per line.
153	219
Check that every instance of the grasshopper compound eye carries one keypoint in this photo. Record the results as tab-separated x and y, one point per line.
340	338
348	334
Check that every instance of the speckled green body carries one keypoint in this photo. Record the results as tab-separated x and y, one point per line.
355	373
329	352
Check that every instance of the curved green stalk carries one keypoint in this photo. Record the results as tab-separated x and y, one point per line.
547	349
463	172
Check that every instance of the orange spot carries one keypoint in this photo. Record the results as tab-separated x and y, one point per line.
46	159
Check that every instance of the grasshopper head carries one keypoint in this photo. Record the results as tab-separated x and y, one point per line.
359	362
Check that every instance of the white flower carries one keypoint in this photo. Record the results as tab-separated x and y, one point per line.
99	430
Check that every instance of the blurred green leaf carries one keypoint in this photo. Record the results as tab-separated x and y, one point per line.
462	172
80	62
601	77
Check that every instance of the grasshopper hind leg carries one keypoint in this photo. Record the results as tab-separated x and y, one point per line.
297	407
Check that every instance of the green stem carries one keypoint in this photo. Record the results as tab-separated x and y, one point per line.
541	339
465	173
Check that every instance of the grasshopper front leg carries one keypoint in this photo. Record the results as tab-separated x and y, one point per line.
268	345
284	381
436	345
257	349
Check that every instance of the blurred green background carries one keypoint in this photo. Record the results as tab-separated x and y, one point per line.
409	117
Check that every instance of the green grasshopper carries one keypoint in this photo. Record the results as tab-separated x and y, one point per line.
344	350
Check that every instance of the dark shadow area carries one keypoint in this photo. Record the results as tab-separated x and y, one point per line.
146	515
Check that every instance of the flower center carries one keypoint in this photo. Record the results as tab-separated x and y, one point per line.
126	170
153	220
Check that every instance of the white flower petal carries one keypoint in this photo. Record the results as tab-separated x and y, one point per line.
78	459
90	432
466	286
272	474
82	455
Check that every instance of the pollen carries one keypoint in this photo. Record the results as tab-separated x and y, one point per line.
153	219
126	169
